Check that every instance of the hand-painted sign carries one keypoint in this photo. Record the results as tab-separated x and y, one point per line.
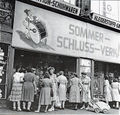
42	30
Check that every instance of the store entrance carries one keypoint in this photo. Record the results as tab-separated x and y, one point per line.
43	60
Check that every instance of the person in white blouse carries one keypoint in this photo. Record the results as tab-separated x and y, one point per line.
16	92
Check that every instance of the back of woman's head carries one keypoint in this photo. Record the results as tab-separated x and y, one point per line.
115	80
46	75
29	69
106	77
22	70
61	73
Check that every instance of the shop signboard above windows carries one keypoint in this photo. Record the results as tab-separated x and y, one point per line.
42	30
105	21
60	5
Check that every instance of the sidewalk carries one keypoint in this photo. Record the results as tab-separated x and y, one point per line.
66	111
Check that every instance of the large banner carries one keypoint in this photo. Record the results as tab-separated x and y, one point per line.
41	30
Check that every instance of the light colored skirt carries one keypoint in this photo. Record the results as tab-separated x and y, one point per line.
16	92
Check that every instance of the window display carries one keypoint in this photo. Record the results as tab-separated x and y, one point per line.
3	67
85	66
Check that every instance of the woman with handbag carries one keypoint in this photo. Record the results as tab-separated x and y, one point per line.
45	93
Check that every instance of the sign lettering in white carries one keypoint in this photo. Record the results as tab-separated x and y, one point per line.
41	30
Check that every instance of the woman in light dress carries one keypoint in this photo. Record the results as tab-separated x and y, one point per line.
53	79
86	90
107	91
75	84
45	98
62	81
115	92
16	92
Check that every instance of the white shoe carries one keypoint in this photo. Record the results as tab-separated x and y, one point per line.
51	109
87	108
82	108
37	111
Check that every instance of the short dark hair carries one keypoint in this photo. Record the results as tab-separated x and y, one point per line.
29	69
115	80
61	72
47	75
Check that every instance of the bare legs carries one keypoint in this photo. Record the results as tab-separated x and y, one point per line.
18	105
28	107
52	107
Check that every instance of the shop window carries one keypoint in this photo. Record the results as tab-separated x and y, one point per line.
98	79
44	60
85	66
3	68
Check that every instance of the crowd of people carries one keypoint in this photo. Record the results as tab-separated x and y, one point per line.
55	89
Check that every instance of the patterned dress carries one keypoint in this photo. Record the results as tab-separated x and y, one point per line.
16	92
29	87
74	96
86	89
62	80
45	98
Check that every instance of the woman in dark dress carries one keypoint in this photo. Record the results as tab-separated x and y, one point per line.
29	89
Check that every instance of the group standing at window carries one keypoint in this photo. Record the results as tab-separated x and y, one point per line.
55	89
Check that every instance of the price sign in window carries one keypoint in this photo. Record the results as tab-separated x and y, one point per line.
3	67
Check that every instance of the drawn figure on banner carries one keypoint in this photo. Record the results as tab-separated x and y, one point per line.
35	28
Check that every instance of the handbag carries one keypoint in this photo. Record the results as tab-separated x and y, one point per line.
51	92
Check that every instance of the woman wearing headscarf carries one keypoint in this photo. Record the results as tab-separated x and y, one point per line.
75	84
